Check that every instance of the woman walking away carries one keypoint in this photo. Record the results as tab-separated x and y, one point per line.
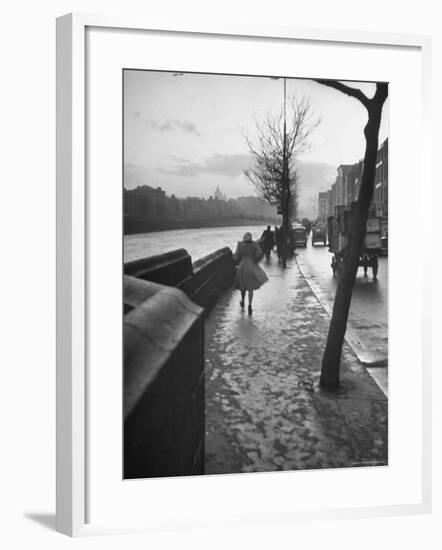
249	276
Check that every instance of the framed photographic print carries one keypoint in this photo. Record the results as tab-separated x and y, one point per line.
235	219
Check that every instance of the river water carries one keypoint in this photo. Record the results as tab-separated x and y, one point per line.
197	242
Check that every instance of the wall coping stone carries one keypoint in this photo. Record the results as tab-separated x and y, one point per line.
160	320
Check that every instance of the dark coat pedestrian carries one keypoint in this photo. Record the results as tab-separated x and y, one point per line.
278	241
267	241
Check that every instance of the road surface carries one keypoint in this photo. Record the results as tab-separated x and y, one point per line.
367	328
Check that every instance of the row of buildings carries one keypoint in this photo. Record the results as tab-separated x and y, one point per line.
345	190
154	204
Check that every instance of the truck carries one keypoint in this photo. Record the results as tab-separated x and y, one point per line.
338	227
319	235
299	235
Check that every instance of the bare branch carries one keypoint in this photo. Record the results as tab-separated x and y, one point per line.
353	92
275	151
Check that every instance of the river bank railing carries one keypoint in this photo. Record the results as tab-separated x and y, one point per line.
166	298
202	281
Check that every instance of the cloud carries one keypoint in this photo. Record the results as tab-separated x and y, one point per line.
133	175
172	124
179	159
314	177
186	126
220	165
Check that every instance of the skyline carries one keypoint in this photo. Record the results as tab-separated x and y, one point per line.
184	132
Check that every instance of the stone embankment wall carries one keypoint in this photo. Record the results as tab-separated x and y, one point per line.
202	281
165	298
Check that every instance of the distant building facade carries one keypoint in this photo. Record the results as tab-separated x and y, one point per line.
380	195
354	182
323	206
144	201
153	204
345	189
342	186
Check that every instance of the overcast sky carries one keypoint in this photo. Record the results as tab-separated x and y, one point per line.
185	132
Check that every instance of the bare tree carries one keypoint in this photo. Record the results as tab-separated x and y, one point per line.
332	355
275	152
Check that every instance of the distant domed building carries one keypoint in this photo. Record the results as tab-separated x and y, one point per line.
219	195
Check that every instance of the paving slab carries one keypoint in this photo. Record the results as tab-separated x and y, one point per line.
264	408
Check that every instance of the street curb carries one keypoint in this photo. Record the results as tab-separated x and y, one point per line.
350	337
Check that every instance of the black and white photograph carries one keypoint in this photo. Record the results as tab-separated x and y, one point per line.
254	273
230	337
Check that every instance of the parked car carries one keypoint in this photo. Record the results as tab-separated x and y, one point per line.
319	235
299	236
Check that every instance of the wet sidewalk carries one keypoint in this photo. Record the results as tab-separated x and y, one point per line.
264	409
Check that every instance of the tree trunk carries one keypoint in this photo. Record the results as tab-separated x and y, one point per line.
285	225
333	350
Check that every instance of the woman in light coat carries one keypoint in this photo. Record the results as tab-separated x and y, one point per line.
249	275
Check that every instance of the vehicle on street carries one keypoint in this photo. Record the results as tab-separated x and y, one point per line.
338	234
319	235
299	234
384	244
307	224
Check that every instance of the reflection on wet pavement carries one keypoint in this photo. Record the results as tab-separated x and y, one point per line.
367	328
264	410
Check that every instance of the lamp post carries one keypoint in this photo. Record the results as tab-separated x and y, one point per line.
285	191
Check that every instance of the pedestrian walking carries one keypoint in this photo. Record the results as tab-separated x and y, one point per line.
249	275
267	242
